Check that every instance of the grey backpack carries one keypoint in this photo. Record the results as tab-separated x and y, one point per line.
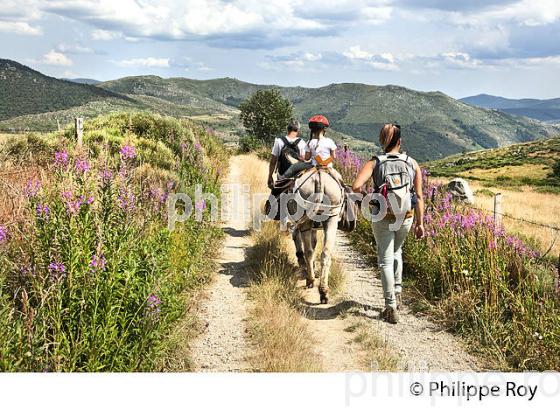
393	178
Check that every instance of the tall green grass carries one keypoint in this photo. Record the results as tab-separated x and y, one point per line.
489	285
91	279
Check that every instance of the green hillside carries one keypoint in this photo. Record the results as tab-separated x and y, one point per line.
535	164
26	91
176	90
434	124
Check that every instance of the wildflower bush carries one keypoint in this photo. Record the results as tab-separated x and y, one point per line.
488	285
91	279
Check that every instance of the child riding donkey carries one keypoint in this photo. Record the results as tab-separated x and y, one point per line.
316	187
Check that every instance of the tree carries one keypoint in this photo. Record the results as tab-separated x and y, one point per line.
556	170
266	114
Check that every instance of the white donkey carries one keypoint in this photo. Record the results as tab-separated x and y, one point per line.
321	196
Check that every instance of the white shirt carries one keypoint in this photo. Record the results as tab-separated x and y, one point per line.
279	144
321	147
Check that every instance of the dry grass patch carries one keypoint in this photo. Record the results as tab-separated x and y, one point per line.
337	278
376	353
281	340
527	204
277	331
254	172
535	171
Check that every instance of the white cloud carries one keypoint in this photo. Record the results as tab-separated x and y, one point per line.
377	15
525	12
223	23
484	13
105	35
19	27
56	58
169	19
529	63
295	62
388	57
189	65
460	60
311	57
144	62
17	16
356	53
74	49
382	61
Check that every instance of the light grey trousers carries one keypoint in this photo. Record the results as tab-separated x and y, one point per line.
389	257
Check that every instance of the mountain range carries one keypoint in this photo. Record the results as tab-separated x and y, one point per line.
433	124
543	110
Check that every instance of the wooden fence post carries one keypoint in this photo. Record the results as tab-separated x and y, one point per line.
79	122
498	209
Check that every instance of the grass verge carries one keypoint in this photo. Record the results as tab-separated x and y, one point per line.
376	353
282	342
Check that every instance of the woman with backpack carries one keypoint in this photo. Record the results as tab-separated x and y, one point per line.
397	177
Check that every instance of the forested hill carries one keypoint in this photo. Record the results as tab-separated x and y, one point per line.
26	91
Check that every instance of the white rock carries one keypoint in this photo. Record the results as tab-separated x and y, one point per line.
461	191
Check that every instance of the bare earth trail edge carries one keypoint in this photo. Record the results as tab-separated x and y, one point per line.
418	344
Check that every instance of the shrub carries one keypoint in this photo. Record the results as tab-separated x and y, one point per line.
250	143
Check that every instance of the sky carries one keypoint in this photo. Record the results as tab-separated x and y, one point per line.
502	47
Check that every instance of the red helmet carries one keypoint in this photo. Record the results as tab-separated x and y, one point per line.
318	121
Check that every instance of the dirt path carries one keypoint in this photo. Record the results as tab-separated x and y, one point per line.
421	344
333	344
222	346
418	343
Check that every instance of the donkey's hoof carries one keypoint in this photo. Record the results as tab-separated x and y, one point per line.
324	295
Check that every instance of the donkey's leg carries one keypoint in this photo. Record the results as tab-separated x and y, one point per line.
298	242
309	253
314	235
330	227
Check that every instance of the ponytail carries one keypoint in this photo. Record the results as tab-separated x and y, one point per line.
389	136
316	133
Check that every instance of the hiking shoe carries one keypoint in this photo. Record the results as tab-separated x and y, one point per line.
390	315
383	314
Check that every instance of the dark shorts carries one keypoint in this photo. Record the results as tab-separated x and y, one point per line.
296	169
